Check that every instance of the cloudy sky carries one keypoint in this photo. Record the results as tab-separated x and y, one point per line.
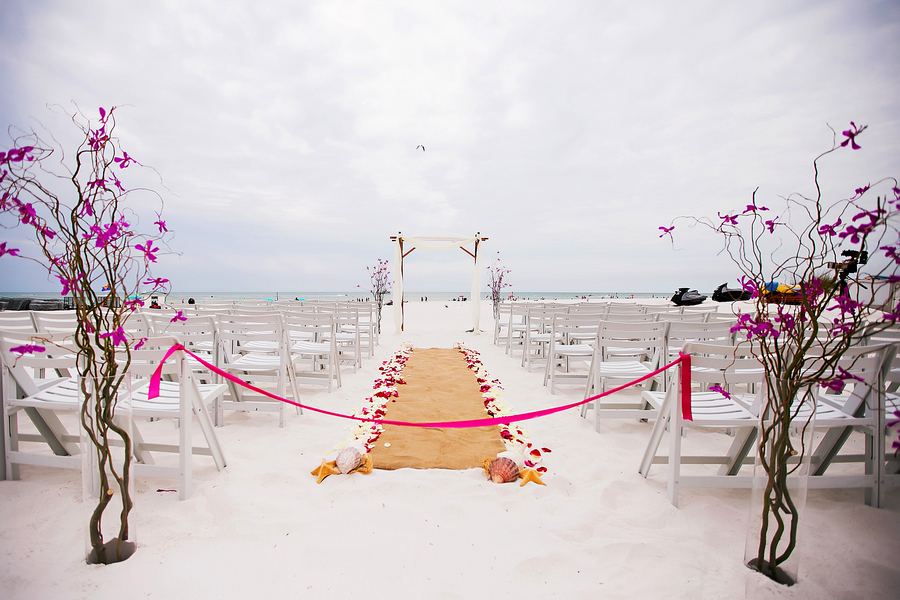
285	133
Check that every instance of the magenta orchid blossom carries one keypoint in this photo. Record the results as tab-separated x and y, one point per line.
156	282
69	285
118	336
148	250
851	134
27	349
728	219
11	251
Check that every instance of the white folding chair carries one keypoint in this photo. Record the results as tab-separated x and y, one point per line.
254	348
573	340
625	351
313	348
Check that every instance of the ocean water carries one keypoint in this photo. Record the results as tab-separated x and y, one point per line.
409	296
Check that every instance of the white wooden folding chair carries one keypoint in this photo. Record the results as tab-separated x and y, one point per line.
625	351
736	370
254	348
313	348
17	320
367	326
501	323
573	340
180	397
515	337
48	400
57	321
733	368
538	332
346	333
682	332
198	333
42	386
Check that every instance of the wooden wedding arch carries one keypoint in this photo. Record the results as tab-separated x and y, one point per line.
404	245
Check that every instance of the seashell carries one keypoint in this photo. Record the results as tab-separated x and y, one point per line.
348	459
503	470
517	456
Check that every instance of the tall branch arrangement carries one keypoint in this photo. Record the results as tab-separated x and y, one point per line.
84	221
380	280
497	273
814	247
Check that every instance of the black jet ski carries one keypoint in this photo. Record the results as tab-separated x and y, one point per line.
683	297
723	294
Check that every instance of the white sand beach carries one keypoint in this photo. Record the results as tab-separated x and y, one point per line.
263	528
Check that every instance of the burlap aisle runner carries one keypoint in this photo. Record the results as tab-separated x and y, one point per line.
439	387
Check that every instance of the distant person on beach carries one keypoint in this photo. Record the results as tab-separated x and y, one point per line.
190	301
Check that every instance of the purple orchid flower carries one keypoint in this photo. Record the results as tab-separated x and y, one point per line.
148	250
728	219
27	349
118	336
851	134
749	286
753	208
179	316
10	251
156	282
830	229
133	304
718	388
69	284
125	160
666	231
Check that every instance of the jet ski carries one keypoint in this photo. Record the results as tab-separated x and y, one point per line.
723	294
683	297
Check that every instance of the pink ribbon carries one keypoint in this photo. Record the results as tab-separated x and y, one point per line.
154	392
685	386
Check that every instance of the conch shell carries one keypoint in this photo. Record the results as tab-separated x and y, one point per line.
503	470
349	458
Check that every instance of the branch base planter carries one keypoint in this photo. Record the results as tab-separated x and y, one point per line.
109	537
778	503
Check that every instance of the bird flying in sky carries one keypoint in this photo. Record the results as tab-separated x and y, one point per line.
420	146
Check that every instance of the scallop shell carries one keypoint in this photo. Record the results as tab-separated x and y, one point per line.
517	456
348	459
503	470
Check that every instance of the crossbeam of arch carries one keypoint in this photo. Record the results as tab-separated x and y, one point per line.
403	245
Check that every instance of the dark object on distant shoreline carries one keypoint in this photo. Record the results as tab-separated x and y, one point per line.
66	303
723	294
683	297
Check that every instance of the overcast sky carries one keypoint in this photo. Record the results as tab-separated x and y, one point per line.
285	132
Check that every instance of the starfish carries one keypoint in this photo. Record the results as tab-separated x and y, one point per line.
324	470
530	475
330	468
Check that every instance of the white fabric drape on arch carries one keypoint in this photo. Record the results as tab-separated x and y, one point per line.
433	243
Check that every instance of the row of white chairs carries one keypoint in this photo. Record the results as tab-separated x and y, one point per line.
284	348
610	349
44	387
859	409
526	325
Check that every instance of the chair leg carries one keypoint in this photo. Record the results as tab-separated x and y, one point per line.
659	427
